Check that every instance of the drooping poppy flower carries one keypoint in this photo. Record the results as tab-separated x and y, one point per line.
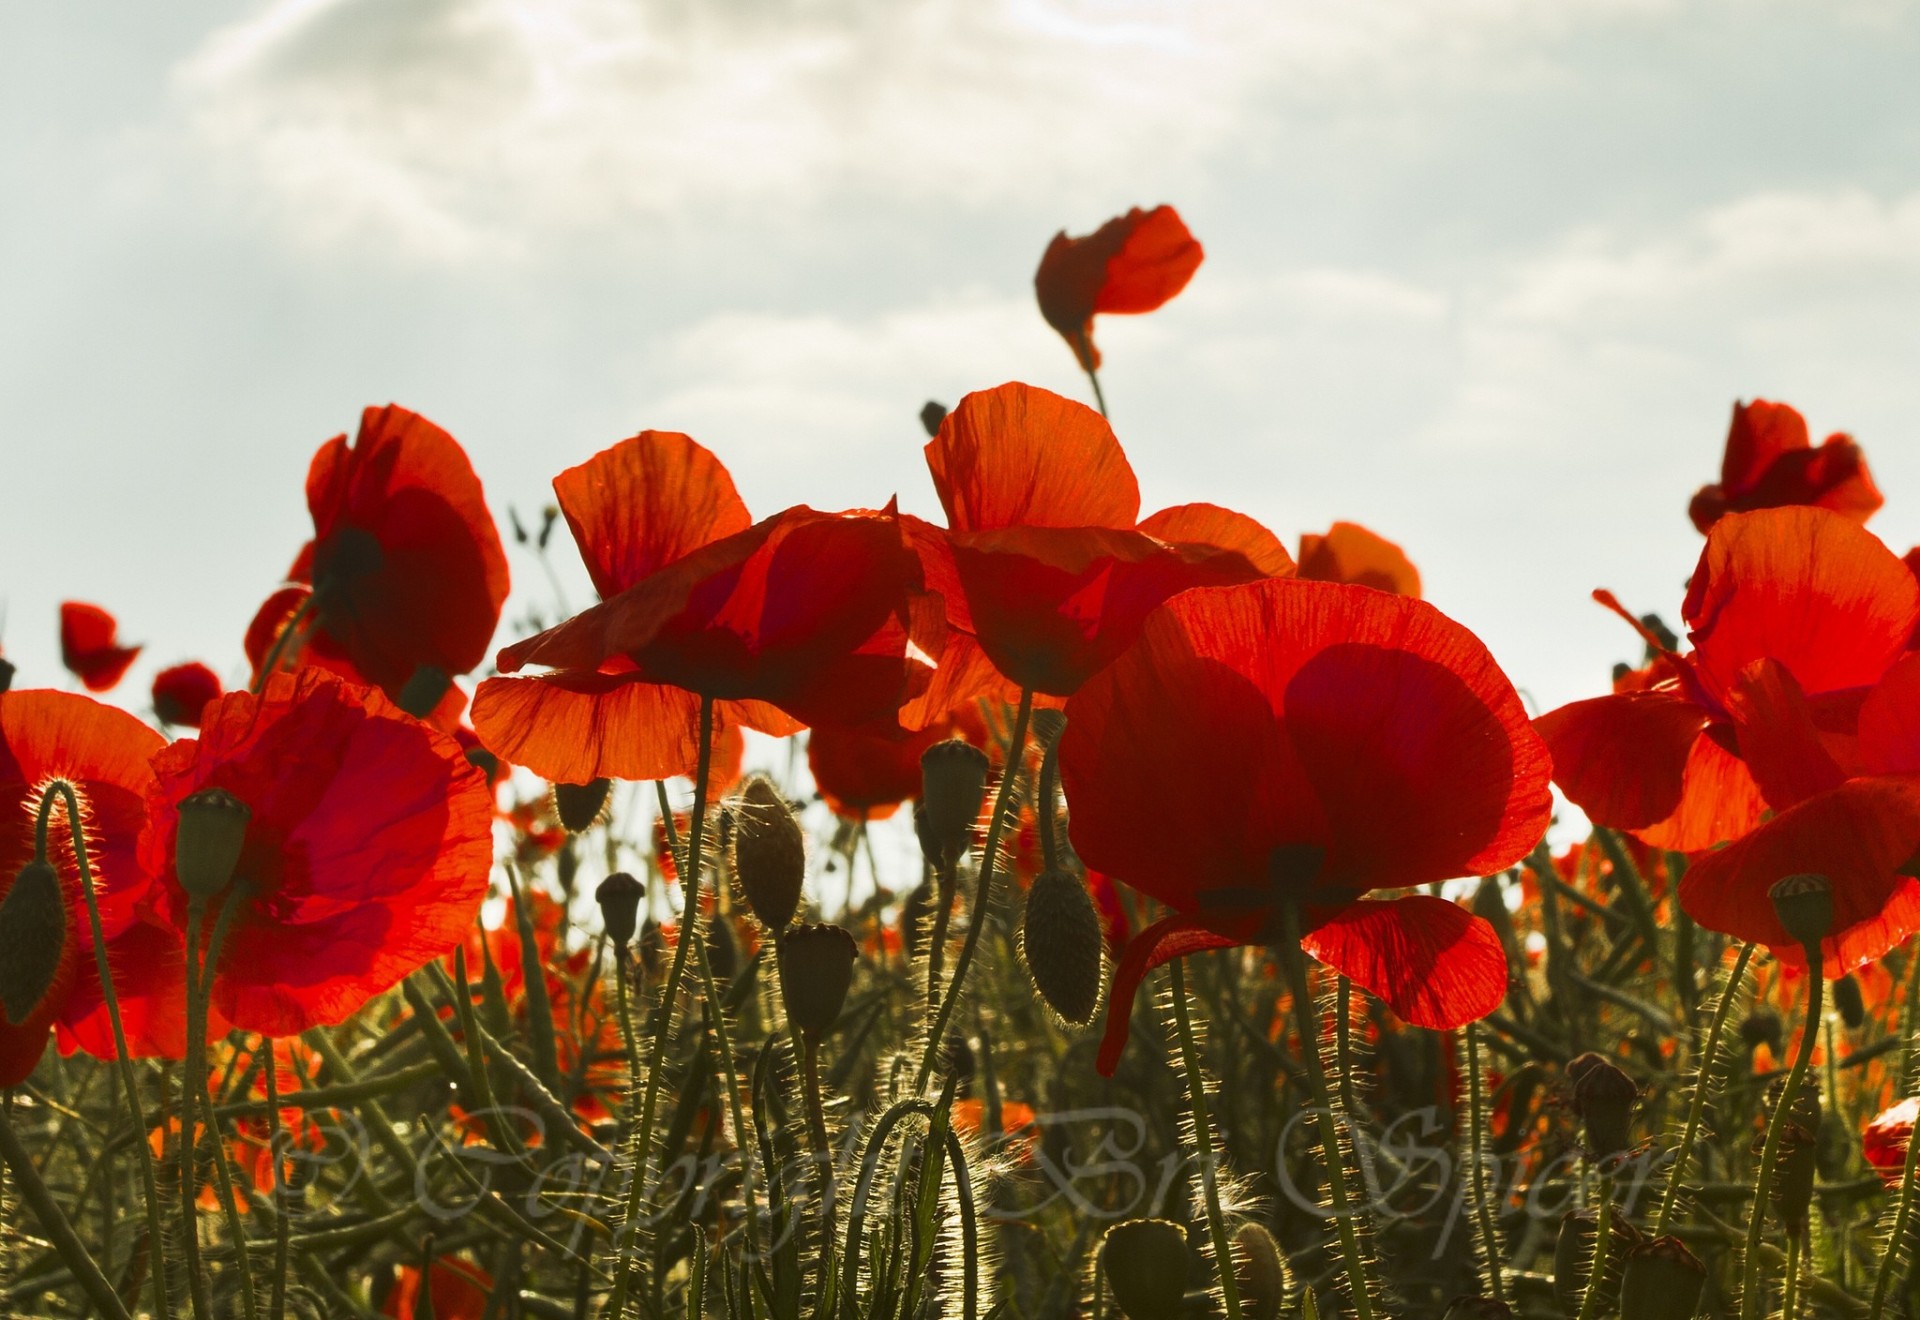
457	1289
181	692
1133	263
367	851
90	645
1056	565
1307	742
1771	461
1885	1139
1792	598
803	618
406	569
1348	552
103	752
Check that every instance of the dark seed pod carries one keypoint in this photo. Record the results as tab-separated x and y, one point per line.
1661	1280
769	853
1062	943
1850	1004
1145	1261
816	970
207	845
931	415
953	789
619	898
1603	1096
7	672
579	805
423	691
1763	1027
1804	904
1261	1272
33	937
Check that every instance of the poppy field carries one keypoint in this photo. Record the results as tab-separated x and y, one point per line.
476	964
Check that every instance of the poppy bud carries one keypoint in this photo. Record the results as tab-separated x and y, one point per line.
1603	1096
619	898
1851	1004
1796	1159
1048	724
7	672
1260	1271
33	936
1574	1251
769	853
932	415
816	970
913	915
1763	1027
953	789
1661	1280
1477	1308
579	805
207	845
1804	904
1145	1261
423	691
1063	945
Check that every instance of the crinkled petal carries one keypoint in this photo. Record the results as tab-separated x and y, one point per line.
1890	721
1778	738
649	500
1173	937
1017	455
574	726
1622	759
1348	552
1223	529
1433	962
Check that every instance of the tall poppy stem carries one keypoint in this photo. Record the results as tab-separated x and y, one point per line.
983	889
1203	1141
192	1082
53	1220
1482	1204
1359	1285
1776	1128
282	641
1602	1253
1895	1250
282	1230
1702	1078
223	1178
662	1024
1084	342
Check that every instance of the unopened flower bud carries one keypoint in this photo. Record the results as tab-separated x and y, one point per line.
816	970
1763	1027
1603	1096
1661	1280
1804	904
769	853
33	936
914	911
1477	1308
1063	945
1048	724
579	805
1145	1261
1848	1001
953	789
1796	1159
1573	1253
423	691
619	898
208	843
1260	1271
932	415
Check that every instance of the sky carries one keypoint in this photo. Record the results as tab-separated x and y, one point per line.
1484	275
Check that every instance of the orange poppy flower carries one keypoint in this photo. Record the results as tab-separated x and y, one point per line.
1348	552
1793	614
456	1289
1243	754
90	645
1771	461
1884	1141
864	777
182	692
1133	263
367	852
1056	565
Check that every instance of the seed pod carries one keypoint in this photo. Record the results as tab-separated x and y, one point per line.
423	690
1145	1261
1847	999
1062	943
769	853
579	805
619	898
1603	1096
1763	1027
33	938
1477	1308
816	970
1661	1280
1804	904
1796	1160
1260	1270
953	789
208	843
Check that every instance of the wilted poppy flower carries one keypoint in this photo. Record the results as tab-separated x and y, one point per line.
367	852
1884	1140
1771	461
103	753
802	618
182	692
1133	263
1348	552
1043	516
406	568
1307	742
90	645
1788	608
457	1290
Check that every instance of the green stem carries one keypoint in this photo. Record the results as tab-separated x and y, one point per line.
1789	1306
1602	1253
1482	1208
1203	1142
223	1179
1776	1128
822	1153
193	1081
1896	1246
54	1221
283	639
1359	1286
1697	1103
282	1228
1084	342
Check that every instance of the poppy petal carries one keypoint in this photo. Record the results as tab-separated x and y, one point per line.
1348	552
1223	529
1167	939
1718	801
89	646
570	727
1433	962
1778	738
1132	263
1017	455
1622	759
1761	433
649	500
1890	721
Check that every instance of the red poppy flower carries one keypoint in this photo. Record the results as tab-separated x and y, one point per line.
1348	552
803	618
367	853
1044	523
1307	742
1788	609
457	1290
182	692
103	753
1771	461
1133	263
406	567
1884	1140
90	645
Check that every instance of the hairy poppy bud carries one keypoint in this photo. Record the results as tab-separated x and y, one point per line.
1603	1096
1804	904
619	898
1063	945
1048	724
913	917
953	789
816	969
1884	1140
1796	1160
1145	1261
1477	1308
579	805
1573	1251
932	415
1260	1271
33	936
423	691
769	853
1763	1027
1848	1000
206	848
1661	1280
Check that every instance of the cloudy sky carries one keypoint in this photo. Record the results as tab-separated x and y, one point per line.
1486	275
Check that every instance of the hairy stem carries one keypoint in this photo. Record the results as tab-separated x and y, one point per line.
1203	1142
